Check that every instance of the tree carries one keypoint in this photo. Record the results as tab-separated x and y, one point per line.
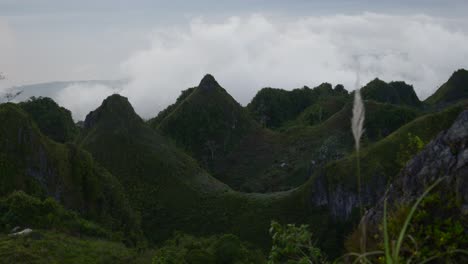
9	96
12	95
293	244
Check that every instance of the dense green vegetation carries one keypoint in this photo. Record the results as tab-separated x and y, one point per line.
223	249
393	93
206	122
31	162
380	160
272	107
184	197
22	210
54	121
169	190
455	89
44	247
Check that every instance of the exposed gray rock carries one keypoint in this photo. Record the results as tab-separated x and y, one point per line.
445	156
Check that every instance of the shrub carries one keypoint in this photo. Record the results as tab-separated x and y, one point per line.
293	244
20	209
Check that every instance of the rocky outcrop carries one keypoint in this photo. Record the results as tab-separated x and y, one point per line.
342	200
445	156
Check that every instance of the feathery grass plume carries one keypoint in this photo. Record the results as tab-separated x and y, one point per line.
357	127
357	121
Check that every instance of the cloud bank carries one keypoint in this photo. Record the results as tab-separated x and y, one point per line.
248	53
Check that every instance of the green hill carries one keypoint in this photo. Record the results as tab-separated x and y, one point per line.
173	193
321	110
31	162
280	160
54	121
455	89
394	93
206	122
380	162
273	107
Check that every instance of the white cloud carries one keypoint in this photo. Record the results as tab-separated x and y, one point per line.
251	52
7	45
80	99
248	53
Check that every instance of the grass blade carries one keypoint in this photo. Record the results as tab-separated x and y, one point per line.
388	256
408	220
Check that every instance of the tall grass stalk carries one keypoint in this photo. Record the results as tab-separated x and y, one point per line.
357	127
392	253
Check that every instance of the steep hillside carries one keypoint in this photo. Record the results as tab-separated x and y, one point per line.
440	223
394	93
206	122
54	121
272	107
336	186
154	122
271	161
320	111
455	89
31	162
172	193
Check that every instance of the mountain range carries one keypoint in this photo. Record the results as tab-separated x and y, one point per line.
206	166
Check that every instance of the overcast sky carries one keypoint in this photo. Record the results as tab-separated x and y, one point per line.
166	46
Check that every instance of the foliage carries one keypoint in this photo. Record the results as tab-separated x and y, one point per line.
293	244
154	122
183	196
54	121
437	228
412	147
206	122
320	111
40	167
455	89
20	209
379	161
44	247
430	231
272	107
222	249
394	93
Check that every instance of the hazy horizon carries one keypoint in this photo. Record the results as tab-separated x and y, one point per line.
165	47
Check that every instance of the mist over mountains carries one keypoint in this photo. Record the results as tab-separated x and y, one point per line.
247	53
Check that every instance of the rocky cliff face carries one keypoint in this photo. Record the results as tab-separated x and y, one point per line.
445	156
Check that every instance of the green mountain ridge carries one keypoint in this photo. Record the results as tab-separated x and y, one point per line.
124	180
394	93
31	162
54	121
455	89
208	123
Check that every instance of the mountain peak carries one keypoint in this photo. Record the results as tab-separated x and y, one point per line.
455	89
115	107
208	83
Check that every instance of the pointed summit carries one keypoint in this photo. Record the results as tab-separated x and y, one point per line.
455	89
114	109
207	122
208	83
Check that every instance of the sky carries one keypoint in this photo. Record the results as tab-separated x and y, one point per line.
163	47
